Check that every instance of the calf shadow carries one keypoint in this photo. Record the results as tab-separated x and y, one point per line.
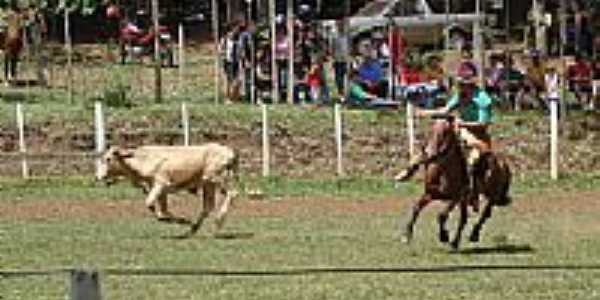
508	249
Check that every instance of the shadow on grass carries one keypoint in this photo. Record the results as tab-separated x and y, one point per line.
498	249
233	235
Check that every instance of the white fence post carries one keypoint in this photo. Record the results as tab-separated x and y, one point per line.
100	134
85	285
181	57
22	147
554	138
185	123
410	124
265	142
338	138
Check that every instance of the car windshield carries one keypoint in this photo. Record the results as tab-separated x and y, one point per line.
372	9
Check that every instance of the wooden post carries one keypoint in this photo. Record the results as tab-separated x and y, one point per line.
265	142
215	28
157	58
69	48
554	138
274	71
338	138
100	134
479	46
446	25
563	41
22	146
181	58
85	285
390	61
410	124
290	30
185	124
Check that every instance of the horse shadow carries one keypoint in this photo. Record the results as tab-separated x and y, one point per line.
507	249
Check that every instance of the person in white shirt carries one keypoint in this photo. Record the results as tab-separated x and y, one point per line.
340	53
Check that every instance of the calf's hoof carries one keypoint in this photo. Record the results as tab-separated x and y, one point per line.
164	216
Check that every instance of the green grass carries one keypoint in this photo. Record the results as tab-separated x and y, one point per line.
302	239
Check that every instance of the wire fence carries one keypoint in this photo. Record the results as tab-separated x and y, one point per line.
88	283
63	140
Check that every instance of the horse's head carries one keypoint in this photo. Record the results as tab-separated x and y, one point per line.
442	137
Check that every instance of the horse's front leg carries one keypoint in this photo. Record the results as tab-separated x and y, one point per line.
406	235
462	221
442	218
487	213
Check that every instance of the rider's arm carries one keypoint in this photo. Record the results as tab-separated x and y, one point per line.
450	106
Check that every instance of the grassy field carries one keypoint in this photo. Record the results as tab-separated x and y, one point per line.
306	239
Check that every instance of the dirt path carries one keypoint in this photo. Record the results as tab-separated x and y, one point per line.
98	210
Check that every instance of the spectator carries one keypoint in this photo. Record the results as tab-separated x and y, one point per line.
580	79
534	81
231	63
341	52
371	75
282	50
357	95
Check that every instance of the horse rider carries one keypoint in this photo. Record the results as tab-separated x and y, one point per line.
474	107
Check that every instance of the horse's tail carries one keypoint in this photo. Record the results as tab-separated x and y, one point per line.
500	180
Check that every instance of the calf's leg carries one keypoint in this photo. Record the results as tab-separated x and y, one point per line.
487	213
155	193
208	204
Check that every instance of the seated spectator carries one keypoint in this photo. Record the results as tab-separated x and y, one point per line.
357	95
534	80
579	76
371	75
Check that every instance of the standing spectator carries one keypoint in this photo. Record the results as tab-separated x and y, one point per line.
341	52
231	63
282	50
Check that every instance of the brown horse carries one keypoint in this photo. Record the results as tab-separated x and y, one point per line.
447	179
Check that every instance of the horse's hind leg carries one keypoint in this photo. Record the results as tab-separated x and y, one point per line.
414	214
461	224
442	218
487	213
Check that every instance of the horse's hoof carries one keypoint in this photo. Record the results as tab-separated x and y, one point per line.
151	208
474	238
444	238
454	245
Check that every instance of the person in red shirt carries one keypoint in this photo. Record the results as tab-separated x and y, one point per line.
579	76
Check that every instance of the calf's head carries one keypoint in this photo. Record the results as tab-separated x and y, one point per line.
111	164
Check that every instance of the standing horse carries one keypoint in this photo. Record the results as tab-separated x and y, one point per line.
447	179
